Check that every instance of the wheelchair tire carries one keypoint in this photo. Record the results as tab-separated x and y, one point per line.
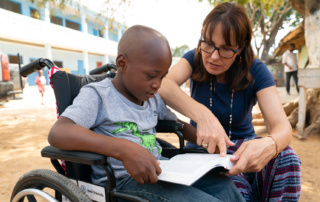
43	178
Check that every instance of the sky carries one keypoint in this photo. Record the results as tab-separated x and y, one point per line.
179	20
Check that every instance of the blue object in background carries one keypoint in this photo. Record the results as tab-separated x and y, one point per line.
81	70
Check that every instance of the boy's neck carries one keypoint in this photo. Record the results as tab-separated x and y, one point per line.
121	88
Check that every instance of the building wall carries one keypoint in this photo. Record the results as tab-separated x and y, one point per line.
304	56
69	59
73	60
25	10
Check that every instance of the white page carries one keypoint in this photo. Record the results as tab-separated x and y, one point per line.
183	172
187	168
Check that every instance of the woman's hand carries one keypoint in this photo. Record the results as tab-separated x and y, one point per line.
211	133
253	155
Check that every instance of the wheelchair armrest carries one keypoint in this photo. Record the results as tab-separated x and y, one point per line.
165	126
74	156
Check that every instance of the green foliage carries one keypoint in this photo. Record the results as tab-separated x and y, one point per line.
179	51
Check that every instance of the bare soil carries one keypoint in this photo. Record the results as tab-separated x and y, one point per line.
24	126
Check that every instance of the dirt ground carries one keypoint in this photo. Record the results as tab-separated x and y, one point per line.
24	126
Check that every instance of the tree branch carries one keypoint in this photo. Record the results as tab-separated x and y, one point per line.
279	17
258	23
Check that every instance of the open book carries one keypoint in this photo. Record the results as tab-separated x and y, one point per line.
187	168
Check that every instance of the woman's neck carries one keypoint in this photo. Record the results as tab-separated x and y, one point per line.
221	78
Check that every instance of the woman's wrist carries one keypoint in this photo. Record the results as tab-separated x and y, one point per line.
273	145
276	145
201	113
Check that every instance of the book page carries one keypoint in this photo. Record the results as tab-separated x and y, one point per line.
205	158
184	167
182	172
187	168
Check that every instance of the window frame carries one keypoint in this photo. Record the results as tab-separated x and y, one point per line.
21	59
58	18
80	29
30	9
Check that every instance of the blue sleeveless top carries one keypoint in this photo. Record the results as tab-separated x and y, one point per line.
243	101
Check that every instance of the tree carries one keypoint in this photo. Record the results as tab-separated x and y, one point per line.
267	18
179	51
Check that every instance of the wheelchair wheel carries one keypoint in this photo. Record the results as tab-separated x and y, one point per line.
42	178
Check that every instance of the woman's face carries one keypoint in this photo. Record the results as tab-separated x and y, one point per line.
214	63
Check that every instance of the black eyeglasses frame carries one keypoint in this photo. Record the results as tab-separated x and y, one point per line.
218	49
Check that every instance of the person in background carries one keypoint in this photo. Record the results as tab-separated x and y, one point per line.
289	60
41	81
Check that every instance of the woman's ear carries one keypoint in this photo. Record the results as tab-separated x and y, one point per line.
121	63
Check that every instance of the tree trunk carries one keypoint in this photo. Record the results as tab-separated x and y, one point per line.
312	32
270	41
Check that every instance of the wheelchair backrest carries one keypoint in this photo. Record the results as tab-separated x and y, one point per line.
66	87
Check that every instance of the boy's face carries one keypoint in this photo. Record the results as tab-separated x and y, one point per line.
142	78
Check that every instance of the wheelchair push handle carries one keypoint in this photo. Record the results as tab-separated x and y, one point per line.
103	69
35	66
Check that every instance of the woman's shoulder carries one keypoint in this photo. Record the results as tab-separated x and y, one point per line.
261	74
189	56
258	67
190	53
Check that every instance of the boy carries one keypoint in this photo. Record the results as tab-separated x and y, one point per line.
122	114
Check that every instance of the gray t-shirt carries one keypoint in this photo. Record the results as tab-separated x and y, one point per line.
101	108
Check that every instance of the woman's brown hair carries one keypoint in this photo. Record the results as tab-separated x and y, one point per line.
235	26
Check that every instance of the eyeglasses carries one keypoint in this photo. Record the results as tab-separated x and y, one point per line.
227	53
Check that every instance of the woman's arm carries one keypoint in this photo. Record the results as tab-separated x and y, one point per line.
209	129
253	155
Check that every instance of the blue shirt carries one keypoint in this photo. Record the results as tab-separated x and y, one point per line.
243	101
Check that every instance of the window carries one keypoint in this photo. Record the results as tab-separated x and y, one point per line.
72	25
56	20
113	35
34	13
58	63
13	59
11	6
98	33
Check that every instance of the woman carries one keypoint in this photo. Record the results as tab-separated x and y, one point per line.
226	82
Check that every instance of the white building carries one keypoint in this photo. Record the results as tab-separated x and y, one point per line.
72	40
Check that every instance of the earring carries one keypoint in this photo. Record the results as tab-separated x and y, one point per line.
238	63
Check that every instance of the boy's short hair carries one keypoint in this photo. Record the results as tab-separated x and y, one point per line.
138	39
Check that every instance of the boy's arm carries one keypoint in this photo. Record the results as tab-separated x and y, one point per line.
137	160
189	132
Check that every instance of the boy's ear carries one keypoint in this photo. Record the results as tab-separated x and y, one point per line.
122	63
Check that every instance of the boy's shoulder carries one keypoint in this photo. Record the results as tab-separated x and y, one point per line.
105	85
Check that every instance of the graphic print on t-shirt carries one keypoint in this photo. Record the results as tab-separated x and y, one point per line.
147	140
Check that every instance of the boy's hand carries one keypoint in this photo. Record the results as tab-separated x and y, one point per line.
141	164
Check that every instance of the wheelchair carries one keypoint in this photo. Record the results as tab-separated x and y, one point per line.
74	183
